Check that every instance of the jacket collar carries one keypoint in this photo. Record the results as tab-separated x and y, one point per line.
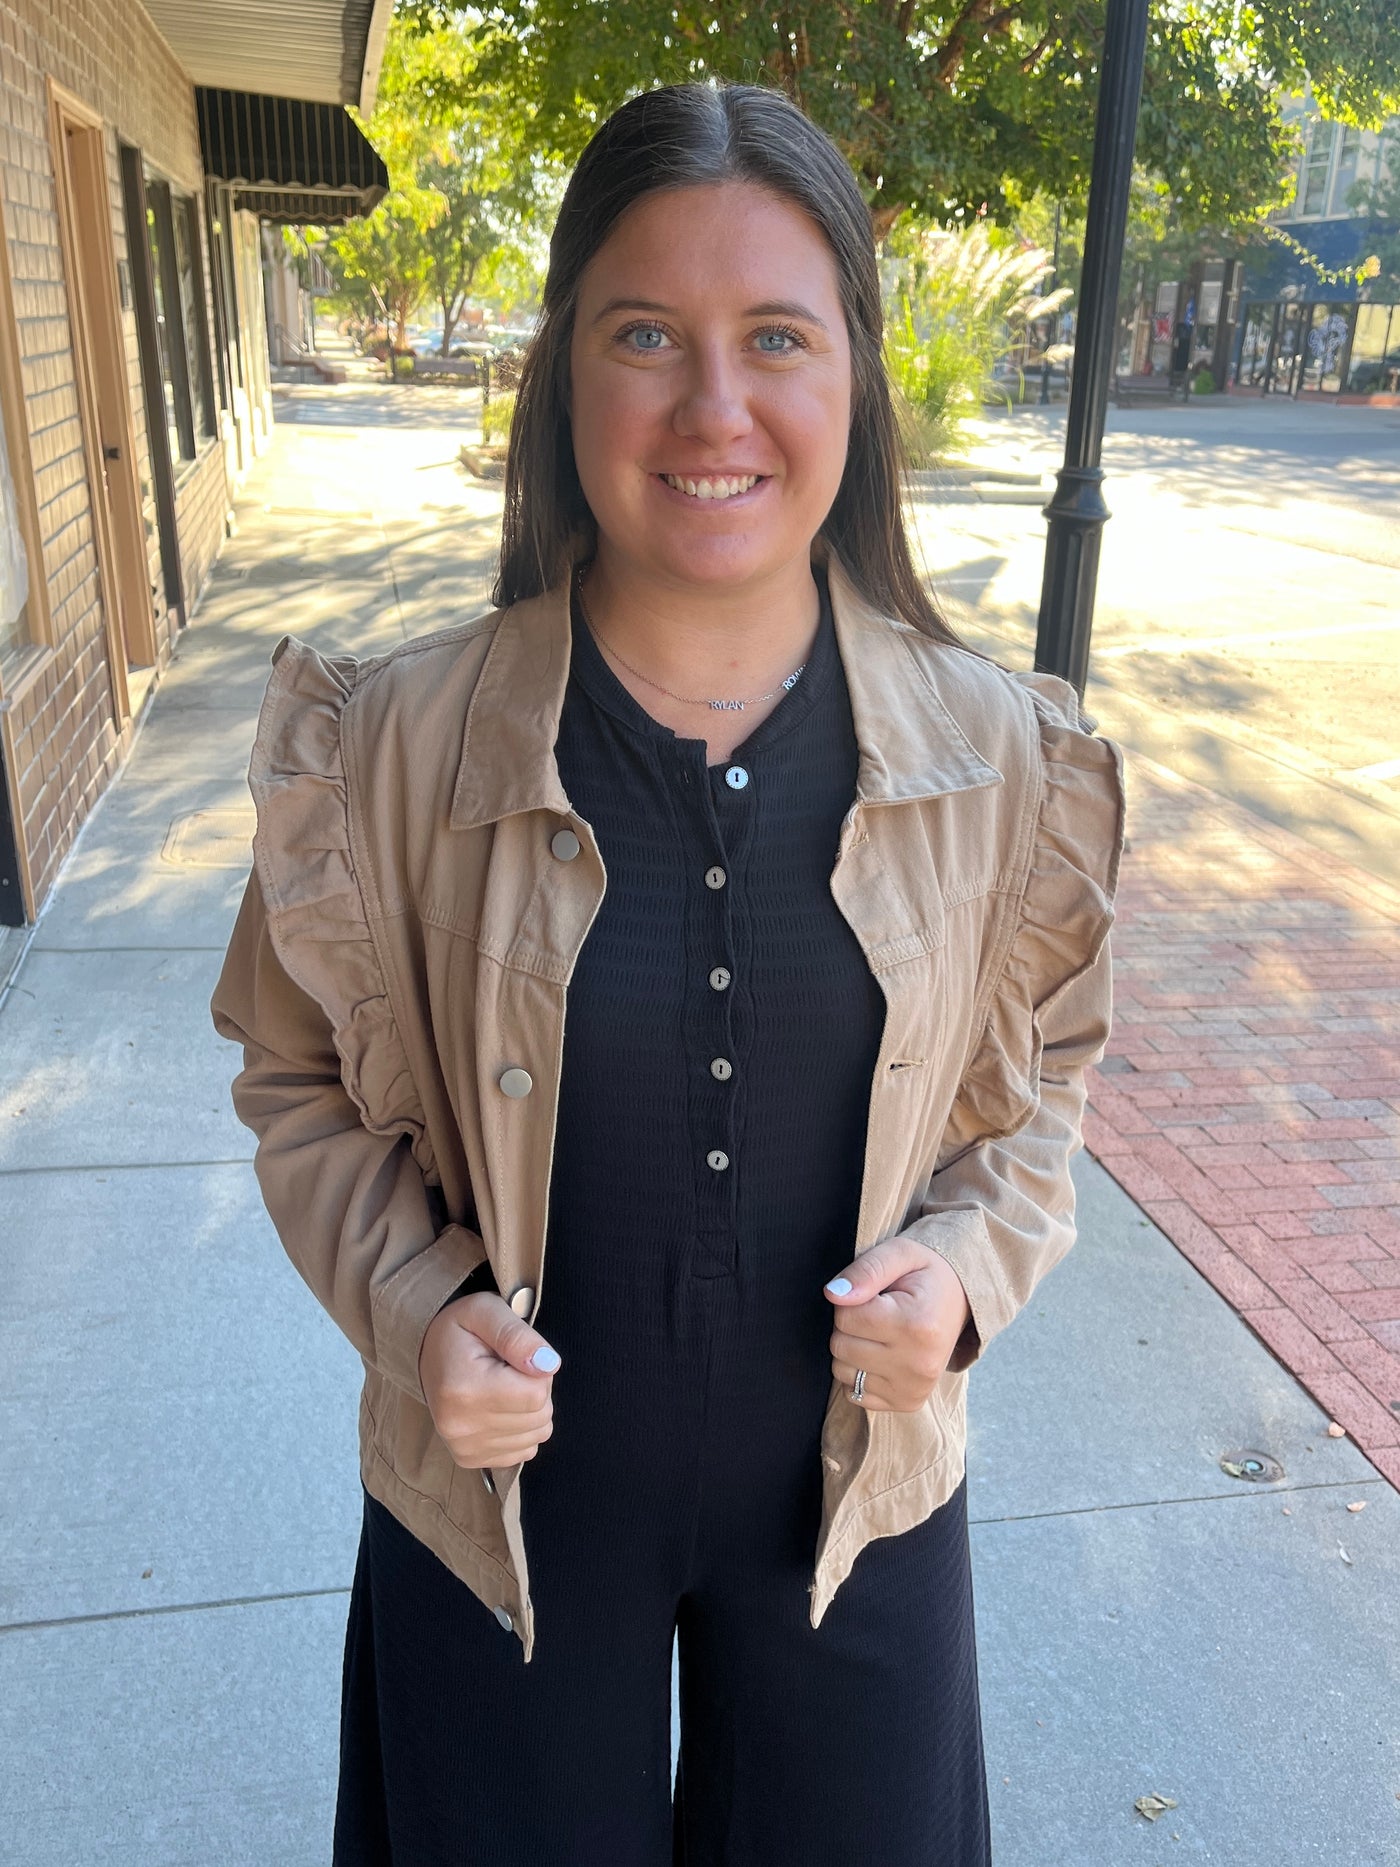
911	747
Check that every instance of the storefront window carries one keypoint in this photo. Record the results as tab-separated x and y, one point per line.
177	277
1375	351
1325	347
174	389
190	274
1256	344
14	569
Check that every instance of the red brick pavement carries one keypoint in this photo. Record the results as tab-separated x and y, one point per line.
1250	1098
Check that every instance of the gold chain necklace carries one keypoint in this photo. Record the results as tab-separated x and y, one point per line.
719	706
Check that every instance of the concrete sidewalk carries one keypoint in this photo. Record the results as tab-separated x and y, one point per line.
177	1442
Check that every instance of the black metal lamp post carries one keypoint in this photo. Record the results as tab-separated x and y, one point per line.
1076	511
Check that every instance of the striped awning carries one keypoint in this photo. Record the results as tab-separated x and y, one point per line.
288	160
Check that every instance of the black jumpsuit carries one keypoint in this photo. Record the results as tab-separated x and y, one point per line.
721	1036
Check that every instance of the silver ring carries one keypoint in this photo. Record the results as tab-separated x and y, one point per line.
858	1385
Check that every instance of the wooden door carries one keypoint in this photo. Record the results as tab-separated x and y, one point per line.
85	224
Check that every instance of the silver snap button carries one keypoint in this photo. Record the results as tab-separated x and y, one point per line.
516	1083
503	1616
719	978
715	878
488	1481
722	1069
736	777
565	845
718	1159
523	1300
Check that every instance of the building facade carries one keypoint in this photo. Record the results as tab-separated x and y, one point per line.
134	380
1307	326
1286	315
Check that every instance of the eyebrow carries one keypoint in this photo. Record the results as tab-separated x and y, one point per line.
770	308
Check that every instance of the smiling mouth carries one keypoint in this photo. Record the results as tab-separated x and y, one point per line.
718	486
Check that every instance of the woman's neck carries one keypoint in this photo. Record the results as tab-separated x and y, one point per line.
702	643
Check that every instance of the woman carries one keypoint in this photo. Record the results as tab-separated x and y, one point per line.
826	896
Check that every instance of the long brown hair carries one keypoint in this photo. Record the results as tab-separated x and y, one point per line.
680	137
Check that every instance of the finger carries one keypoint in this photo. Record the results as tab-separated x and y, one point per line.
861	1352
483	1444
877	1320
490	1319
502	1390
872	1395
515	1446
874	1270
916	1361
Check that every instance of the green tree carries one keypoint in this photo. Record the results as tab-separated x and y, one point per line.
463	189
486	208
384	255
951	107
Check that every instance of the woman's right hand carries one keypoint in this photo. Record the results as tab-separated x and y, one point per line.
490	1405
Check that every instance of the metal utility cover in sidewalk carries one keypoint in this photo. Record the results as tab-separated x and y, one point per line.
210	839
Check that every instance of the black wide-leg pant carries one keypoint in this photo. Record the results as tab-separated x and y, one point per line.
679	1495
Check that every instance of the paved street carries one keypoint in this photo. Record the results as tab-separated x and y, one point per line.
177	1415
1248	628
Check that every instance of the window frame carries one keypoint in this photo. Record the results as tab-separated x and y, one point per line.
202	401
196	413
22	669
1319	154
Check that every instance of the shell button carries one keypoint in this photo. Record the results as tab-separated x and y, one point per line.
718	1159
516	1083
715	878
565	845
736	777
523	1300
721	1069
503	1616
719	977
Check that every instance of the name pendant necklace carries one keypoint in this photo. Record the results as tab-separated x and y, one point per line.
719	706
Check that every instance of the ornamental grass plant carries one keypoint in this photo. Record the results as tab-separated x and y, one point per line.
960	320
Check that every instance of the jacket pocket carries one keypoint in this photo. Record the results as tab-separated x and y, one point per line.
404	1439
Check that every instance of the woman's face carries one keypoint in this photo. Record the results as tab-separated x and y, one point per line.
710	385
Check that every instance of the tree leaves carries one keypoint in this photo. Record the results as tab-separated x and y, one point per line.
465	186
952	107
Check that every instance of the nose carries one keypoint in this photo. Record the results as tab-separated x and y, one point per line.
713	402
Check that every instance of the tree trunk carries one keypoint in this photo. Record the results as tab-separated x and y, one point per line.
454	304
883	218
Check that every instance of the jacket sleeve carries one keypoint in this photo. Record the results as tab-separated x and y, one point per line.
351	1207
335	1153
1000	1203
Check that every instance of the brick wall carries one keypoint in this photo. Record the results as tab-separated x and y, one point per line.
64	739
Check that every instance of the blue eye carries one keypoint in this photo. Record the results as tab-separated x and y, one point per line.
652	336
787	340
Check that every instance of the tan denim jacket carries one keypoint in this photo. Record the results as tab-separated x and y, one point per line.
408	935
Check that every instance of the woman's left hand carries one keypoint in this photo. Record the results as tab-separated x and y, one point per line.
901	1310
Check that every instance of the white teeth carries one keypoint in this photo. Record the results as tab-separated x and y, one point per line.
713	489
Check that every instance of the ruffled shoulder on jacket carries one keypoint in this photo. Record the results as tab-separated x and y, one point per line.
314	900
1065	910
